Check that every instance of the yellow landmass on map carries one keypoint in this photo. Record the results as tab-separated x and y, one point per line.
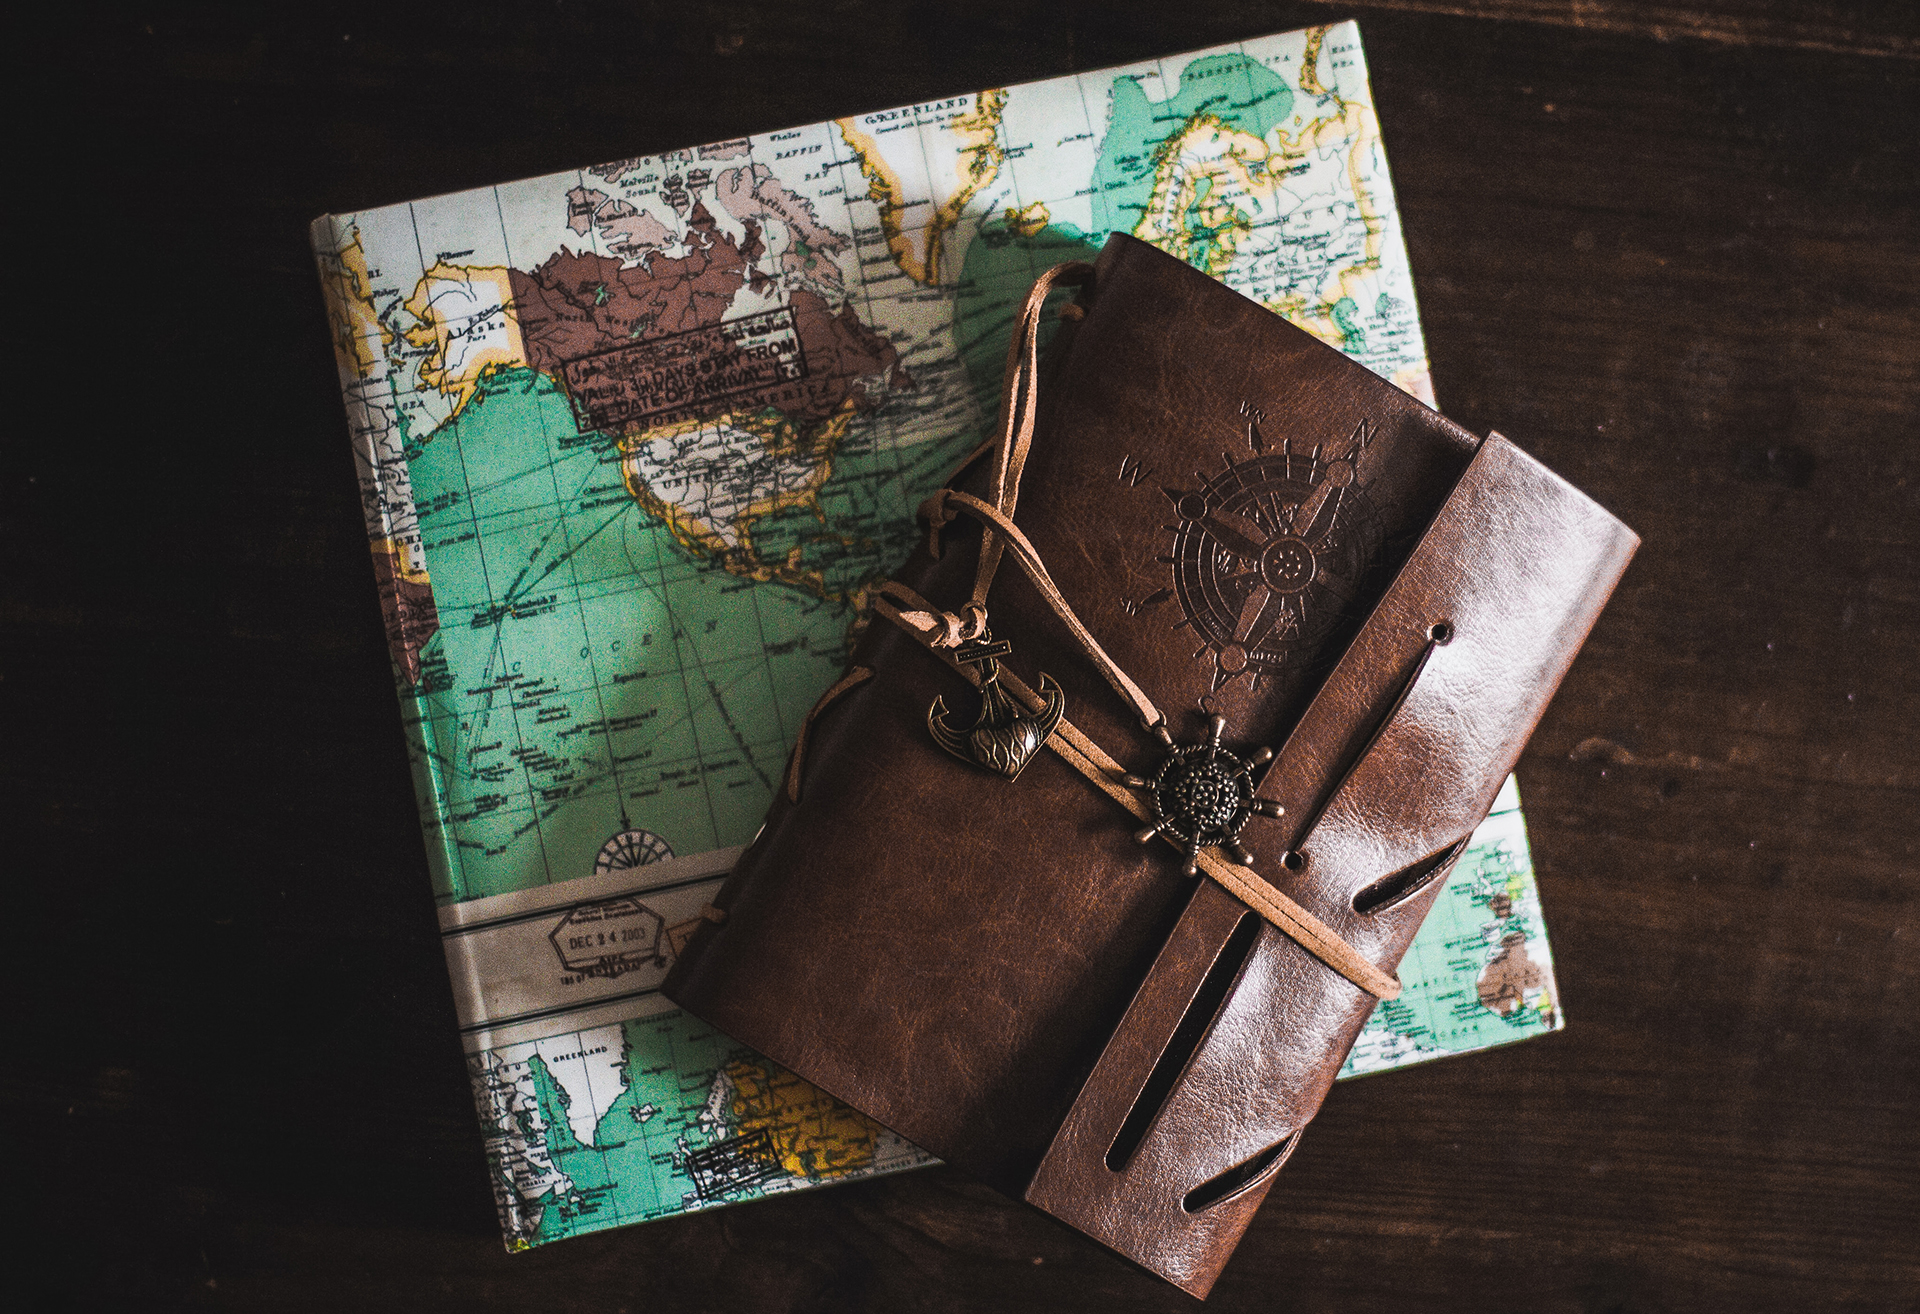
1213	184
1208	178
464	316
1353	128
406	560
359	338
1310	63
1028	220
815	1135
707	524
969	146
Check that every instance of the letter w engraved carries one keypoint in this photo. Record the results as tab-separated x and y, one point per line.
1132	472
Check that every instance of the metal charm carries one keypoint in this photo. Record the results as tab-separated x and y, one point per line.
1202	795
1005	735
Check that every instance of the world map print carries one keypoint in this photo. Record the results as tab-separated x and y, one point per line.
656	1116
634	442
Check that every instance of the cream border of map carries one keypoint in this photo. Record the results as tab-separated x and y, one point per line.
426	318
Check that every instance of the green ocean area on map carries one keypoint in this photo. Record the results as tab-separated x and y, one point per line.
1241	93
627	1173
575	630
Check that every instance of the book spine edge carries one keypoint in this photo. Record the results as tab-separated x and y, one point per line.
324	235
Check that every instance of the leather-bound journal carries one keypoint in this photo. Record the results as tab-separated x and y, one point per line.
1089	871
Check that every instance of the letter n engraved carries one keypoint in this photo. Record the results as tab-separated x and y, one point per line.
1132	472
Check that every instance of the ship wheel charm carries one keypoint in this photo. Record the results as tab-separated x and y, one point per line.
1202	795
1004	736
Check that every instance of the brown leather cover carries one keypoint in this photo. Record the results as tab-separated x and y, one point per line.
997	970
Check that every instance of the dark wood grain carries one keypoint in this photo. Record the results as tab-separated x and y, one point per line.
1861	27
1673	250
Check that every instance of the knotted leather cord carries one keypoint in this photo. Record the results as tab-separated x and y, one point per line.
1019	409
941	509
931	626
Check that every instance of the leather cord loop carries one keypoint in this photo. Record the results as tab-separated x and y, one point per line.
1027	556
1019	408
926	622
942	631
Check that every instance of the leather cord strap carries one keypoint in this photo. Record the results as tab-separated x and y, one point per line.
930	626
946	504
942	631
1019	408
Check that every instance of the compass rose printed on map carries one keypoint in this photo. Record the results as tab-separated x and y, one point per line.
634	441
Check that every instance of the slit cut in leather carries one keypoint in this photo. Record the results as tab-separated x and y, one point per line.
855	675
1220	1186
1437	635
1186	1038
1397	887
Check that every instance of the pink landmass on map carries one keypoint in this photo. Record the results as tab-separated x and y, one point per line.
753	193
614	171
582	203
631	233
577	304
408	606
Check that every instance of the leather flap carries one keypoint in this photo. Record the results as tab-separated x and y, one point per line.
1223	1056
1403	750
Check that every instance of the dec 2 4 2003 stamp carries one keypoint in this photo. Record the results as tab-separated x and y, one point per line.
525	962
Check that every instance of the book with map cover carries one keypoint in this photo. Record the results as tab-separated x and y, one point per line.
635	440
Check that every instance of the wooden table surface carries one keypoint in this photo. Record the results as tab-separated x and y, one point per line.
1674	251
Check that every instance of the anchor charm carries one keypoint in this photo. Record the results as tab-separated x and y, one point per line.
1004	736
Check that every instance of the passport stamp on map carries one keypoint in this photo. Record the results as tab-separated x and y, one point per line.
679	374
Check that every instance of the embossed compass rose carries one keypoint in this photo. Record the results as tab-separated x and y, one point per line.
1268	552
